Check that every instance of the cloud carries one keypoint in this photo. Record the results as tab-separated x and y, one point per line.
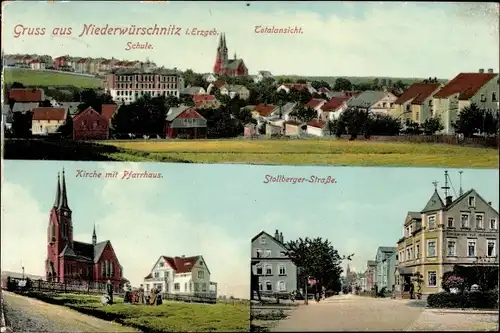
380	39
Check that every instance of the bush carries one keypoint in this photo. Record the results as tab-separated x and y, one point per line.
477	300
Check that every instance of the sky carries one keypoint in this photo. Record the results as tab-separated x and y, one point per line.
214	211
394	39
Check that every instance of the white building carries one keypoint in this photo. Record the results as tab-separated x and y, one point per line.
286	87
181	275
126	85
210	78
47	120
480	88
261	75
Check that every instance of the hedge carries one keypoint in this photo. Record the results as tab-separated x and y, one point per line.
476	300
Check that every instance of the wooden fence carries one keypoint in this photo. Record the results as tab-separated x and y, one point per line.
195	298
74	287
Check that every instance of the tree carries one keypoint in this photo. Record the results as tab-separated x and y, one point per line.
490	123
412	128
342	84
45	103
17	85
432	125
303	113
470	121
21	124
302	81
354	120
90	98
381	124
317	259
301	96
66	130
320	84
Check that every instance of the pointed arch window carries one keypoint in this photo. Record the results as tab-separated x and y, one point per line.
63	231
52	232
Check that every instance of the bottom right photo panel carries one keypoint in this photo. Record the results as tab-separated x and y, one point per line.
392	249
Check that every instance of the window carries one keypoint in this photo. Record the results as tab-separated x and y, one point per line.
177	286
384	104
464	220
417	251
451	222
261	287
472	201
263	240
161	264
185	286
157	274
258	270
471	247
479	221
408	107
268	253
282	270
451	248
417	116
158	287
203	287
493	224
483	98
269	270
431	279
201	274
430	102
432	222
269	286
431	248
491	248
493	97
281	286
196	287
408	254
258	253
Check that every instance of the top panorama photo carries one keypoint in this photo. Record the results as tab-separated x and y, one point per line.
312	83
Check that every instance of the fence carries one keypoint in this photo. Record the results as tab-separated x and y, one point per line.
195	298
74	287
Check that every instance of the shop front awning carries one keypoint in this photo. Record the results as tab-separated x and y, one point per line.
405	271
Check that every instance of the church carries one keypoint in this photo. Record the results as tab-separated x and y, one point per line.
224	65
71	261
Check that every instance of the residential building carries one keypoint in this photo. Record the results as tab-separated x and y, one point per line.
261	112
385	269
447	232
282	112
316	128
371	267
209	78
192	91
37	65
69	260
250	130
126	85
415	103
225	66
273	129
323	90
374	101
332	109
90	125
287	87
294	128
316	104
332	94
276	272
185	122
261	75
233	90
82	65
205	101
108	111
181	276
27	95
480	88
47	120
214	86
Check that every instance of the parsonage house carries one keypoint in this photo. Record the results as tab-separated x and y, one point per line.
275	271
71	261
90	125
445	233
47	120
181	276
185	122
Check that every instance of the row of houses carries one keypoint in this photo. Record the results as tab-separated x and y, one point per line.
447	231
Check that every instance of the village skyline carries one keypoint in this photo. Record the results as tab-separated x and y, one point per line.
347	30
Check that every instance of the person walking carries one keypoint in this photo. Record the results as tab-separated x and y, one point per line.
109	289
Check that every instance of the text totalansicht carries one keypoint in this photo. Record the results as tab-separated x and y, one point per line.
125	174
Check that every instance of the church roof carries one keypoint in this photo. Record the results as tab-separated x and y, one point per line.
84	251
232	63
434	203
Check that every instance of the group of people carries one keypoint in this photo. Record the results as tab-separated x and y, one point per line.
139	296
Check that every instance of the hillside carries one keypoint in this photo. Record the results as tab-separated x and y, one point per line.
47	78
354	79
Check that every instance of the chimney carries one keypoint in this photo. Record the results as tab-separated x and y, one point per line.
489	203
490	70
481	70
281	237
449	200
277	235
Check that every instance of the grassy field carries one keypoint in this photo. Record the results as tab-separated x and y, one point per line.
354	79
308	152
168	317
44	78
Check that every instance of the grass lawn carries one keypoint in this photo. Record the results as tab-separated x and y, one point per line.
168	317
306	152
45	78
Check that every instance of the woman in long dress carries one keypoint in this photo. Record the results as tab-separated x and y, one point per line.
152	297
140	295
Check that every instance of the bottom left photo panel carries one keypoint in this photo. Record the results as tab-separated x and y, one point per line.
120	247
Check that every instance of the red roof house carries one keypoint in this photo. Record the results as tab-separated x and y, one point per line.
465	85
264	110
185	122
203	98
417	93
27	95
90	125
109	110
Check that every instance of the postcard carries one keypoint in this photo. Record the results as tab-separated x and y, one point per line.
322	84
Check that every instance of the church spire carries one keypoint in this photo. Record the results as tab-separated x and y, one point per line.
94	237
63	201
221	42
58	192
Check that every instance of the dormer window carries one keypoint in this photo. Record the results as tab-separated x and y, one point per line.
472	201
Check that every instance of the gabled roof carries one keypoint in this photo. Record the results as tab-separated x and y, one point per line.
26	94
263	233
192	90
387	249
334	103
203	98
233	64
175	112
219	83
296	86
434	203
465	84
315	102
180	264
366	99
418	93
414	215
85	251
108	110
465	195
49	113
316	123
264	109
266	74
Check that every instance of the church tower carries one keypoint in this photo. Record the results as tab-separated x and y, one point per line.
221	56
60	229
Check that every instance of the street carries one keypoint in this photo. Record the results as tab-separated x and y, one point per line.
356	313
24	314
